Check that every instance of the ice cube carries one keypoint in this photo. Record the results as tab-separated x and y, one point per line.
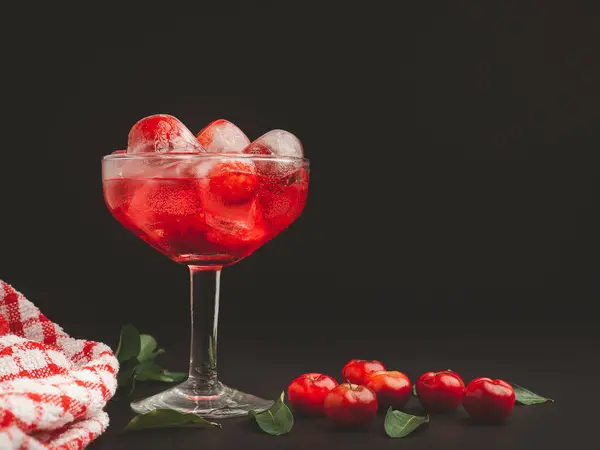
152	168
114	167
172	198
161	133
233	182
199	167
276	143
165	209
283	199
236	226
222	136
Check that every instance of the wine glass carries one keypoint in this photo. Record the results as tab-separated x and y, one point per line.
206	211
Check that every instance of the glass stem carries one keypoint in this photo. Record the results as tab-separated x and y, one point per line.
204	306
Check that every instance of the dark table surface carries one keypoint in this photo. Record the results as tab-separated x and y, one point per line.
562	367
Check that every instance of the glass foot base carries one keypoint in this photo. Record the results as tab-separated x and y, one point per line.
217	402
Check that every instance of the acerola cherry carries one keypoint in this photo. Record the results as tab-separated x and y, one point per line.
351	405
440	391
356	370
307	393
233	181
489	401
392	388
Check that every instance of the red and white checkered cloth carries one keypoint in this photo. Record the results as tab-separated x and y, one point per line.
53	388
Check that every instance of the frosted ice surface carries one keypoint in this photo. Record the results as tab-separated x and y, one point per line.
222	136
277	143
161	133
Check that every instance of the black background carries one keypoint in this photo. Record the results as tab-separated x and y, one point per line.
453	209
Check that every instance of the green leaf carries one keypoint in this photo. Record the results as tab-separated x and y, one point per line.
136	353
126	378
150	371
164	376
172	377
126	371
415	390
145	369
398	424
277	420
160	351
526	397
129	344
147	346
161	375
164	418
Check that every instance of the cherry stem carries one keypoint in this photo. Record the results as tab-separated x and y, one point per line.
445	371
355	388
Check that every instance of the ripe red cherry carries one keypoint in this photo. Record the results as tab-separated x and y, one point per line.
307	393
489	401
258	148
351	405
392	388
440	391
234	182
356	370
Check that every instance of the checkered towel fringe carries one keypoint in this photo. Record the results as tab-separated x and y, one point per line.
53	388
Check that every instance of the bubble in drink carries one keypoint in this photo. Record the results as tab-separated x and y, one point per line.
276	143
222	136
161	133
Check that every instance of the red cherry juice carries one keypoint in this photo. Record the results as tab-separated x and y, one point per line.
209	221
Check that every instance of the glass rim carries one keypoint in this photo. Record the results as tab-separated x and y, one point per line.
182	155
